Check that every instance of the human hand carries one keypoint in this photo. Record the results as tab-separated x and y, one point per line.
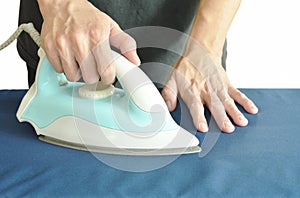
76	37
200	80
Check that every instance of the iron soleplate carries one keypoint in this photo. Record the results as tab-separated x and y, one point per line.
121	151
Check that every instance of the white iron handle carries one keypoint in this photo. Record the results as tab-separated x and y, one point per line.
137	85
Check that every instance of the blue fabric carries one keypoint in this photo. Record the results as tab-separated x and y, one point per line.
259	160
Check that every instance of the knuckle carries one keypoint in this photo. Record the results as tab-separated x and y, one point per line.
72	74
48	44
80	56
80	48
60	41
195	86
108	75
166	91
197	105
96	35
71	77
76	37
240	95
58	69
229	102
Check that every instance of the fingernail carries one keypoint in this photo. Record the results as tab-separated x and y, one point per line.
243	121
254	108
228	125
241	118
203	127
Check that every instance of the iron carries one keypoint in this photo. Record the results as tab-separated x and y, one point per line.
98	118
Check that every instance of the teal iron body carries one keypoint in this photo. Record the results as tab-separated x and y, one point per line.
133	120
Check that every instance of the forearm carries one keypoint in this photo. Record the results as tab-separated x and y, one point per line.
212	21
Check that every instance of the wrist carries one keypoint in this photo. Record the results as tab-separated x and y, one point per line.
203	47
211	46
201	55
52	2
54	6
206	35
47	6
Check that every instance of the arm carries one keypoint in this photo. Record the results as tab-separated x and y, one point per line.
211	24
198	75
76	37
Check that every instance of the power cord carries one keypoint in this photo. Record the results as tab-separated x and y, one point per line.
27	27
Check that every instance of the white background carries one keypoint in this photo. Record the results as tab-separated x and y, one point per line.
263	46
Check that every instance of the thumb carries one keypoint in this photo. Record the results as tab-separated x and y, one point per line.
170	92
132	57
125	43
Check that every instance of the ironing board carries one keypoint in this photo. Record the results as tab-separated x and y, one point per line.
259	160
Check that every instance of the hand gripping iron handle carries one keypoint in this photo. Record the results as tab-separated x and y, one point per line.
134	81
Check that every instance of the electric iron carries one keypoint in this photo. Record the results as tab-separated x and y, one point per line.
99	118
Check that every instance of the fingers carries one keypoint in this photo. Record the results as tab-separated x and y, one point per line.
193	101
197	112
64	53
197	94
61	57
99	64
233	95
218	111
81	46
243	100
234	112
52	54
220	104
104	61
85	58
132	57
86	51
231	108
190	93
169	92
125	43
89	70
68	61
